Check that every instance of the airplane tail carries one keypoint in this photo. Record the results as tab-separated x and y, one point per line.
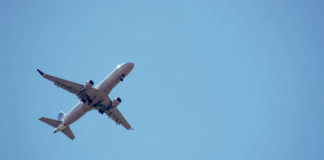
61	116
55	123
68	132
52	122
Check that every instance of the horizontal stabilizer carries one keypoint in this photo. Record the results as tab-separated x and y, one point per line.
52	122
68	132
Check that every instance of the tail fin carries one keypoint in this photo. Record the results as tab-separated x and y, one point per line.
52	122
61	116
55	123
68	132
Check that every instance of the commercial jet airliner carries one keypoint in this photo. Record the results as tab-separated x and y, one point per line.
90	98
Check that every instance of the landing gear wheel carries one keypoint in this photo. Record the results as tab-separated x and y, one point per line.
90	101
101	111
122	77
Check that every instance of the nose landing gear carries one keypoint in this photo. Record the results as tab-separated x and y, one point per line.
122	77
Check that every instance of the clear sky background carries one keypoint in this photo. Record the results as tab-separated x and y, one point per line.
213	80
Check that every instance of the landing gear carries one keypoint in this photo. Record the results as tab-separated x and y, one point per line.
90	101
103	108
84	97
122	77
101	111
83	100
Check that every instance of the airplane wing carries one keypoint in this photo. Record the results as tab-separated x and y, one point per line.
71	87
115	114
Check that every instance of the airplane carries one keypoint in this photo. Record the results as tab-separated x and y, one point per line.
90	98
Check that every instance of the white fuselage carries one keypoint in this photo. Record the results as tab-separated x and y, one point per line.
103	90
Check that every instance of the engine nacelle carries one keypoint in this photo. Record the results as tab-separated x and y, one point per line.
88	84
115	102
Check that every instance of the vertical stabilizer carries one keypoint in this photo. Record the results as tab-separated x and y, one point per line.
61	116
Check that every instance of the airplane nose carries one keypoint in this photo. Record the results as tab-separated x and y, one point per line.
130	66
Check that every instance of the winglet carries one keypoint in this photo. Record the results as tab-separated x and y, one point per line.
40	72
131	129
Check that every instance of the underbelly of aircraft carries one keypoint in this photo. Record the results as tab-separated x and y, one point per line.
77	114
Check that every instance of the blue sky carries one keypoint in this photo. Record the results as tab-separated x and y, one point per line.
223	80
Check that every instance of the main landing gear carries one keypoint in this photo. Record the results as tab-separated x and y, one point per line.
101	111
84	97
83	100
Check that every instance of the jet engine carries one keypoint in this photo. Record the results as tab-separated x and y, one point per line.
88	84
115	102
